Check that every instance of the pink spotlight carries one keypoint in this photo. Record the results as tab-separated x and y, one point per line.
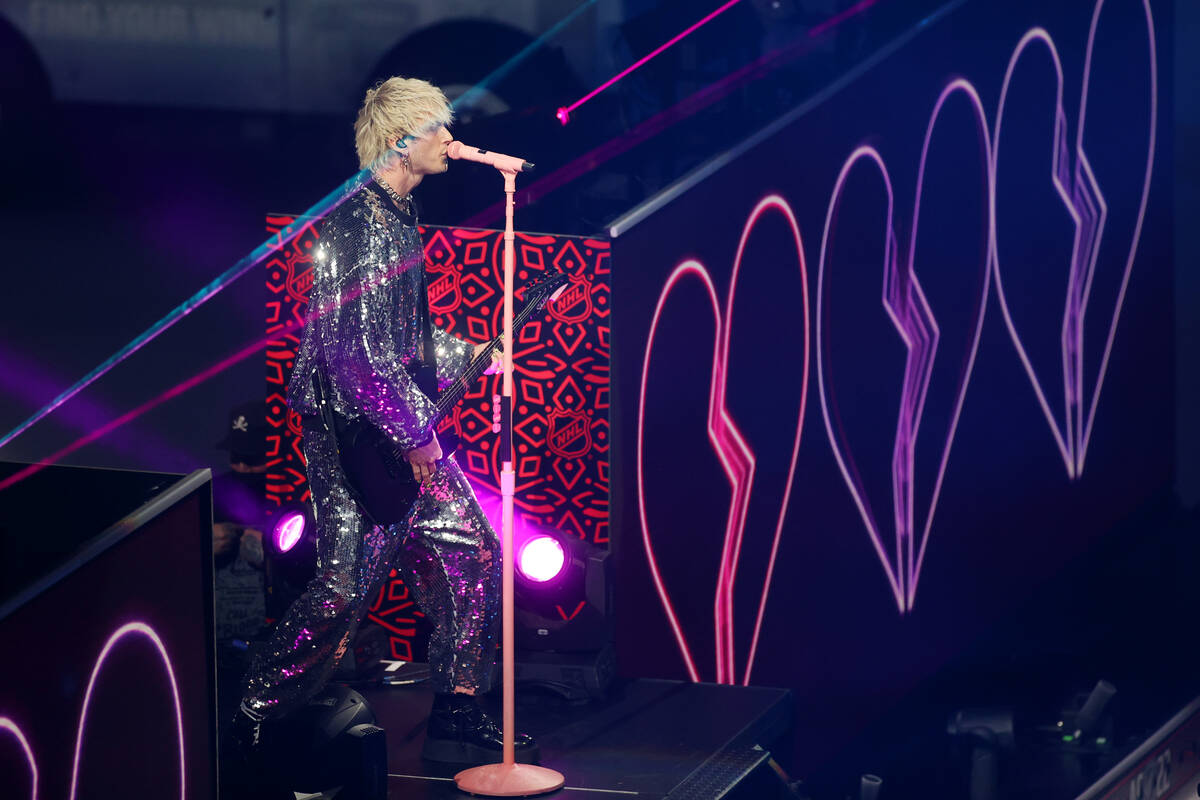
541	559
288	530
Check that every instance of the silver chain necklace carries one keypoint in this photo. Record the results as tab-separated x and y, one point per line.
403	203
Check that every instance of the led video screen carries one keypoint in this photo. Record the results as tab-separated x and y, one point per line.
894	362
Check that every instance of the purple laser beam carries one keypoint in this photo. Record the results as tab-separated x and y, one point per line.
254	348
24	379
271	245
654	125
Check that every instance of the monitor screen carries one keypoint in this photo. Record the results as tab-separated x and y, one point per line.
107	678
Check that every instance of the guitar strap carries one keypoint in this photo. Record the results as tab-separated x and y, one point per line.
425	371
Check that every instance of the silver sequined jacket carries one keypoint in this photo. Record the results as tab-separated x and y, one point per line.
365	312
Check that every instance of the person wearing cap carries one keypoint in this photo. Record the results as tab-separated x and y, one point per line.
240	512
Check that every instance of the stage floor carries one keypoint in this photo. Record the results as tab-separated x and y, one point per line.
645	740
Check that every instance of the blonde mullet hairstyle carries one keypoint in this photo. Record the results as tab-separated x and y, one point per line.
397	108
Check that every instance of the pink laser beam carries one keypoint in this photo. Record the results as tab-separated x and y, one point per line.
564	113
215	369
646	129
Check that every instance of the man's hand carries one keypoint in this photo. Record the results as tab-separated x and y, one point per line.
423	460
497	365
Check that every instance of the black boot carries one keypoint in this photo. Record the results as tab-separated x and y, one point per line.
246	733
460	732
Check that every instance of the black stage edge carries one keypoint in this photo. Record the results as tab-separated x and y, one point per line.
648	739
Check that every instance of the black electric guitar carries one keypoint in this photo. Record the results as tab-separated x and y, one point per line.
379	476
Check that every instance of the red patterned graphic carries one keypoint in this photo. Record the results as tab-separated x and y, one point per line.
561	383
289	279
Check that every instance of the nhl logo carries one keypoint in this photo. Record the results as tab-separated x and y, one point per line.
570	434
445	293
300	280
575	302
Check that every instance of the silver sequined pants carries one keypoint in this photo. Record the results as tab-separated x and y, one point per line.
446	551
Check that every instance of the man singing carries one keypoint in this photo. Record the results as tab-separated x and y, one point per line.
370	333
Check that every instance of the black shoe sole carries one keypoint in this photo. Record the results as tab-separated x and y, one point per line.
449	751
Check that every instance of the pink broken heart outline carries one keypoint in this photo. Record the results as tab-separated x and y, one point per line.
735	455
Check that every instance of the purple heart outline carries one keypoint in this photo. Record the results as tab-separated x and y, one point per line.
1084	201
906	304
736	457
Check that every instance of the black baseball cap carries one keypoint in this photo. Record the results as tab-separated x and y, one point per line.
246	433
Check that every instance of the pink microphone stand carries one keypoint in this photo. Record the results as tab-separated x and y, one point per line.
508	778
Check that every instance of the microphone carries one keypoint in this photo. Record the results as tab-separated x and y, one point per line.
458	150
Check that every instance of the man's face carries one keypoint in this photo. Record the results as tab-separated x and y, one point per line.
427	154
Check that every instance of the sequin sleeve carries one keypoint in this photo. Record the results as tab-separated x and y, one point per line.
453	356
369	272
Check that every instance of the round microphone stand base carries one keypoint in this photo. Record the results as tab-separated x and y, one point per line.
508	780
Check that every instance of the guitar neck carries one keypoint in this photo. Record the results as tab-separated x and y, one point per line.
454	392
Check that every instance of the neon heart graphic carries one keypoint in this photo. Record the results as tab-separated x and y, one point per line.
1084	200
737	459
7	724
131	629
906	305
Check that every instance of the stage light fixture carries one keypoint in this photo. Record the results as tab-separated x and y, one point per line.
289	530
563	607
564	616
331	741
541	559
290	553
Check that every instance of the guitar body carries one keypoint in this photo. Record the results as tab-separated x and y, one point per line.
380	479
377	470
